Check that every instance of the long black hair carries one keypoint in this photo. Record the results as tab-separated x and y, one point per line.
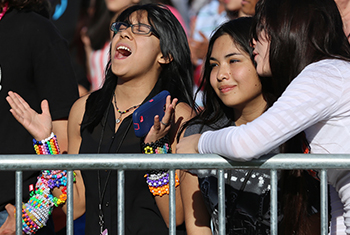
294	191
176	76
300	32
213	108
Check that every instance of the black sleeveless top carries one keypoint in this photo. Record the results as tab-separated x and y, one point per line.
142	215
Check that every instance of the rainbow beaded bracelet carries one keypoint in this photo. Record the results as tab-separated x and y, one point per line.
37	210
47	146
158	181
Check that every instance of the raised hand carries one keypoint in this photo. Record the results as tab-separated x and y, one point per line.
161	128
198	48
38	125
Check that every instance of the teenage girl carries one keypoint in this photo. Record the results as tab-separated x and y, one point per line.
234	94
148	53
301	44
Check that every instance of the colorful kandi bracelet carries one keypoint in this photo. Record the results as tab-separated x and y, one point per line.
47	146
158	181
37	210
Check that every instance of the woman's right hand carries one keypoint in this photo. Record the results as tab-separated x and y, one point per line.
162	127
38	125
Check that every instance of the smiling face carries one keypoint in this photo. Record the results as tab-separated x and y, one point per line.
262	55
134	55
233	76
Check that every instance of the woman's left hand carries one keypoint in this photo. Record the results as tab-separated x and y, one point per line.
161	128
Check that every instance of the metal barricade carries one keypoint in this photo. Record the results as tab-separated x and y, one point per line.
121	162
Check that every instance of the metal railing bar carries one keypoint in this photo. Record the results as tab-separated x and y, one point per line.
121	202
221	202
273	203
18	201
171	161
324	202
172	206
123	162
69	224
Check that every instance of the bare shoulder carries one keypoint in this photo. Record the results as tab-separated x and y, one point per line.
78	109
183	111
74	122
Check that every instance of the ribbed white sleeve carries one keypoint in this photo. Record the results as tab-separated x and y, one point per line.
318	102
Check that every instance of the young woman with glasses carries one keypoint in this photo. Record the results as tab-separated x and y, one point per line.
148	53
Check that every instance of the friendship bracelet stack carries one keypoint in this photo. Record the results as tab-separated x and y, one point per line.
37	210
47	146
158	147
158	181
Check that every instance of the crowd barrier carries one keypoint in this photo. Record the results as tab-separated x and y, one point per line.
122	162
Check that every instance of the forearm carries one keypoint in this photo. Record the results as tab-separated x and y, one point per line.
59	127
311	91
78	196
163	206
197	218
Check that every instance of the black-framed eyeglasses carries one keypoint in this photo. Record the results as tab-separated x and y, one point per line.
142	29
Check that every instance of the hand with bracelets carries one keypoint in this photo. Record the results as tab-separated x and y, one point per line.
39	207
157	142
162	127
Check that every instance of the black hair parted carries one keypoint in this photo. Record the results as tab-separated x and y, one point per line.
176	76
300	32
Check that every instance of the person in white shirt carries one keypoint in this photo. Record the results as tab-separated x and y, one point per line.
302	45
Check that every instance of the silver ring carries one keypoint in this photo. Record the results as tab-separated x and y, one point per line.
165	124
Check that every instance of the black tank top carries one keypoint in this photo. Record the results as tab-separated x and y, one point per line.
142	215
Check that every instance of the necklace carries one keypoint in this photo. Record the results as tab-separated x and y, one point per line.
4	10
122	112
102	193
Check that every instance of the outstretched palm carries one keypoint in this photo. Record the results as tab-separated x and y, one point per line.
38	125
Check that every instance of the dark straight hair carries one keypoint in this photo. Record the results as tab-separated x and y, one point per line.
176	76
300	32
294	192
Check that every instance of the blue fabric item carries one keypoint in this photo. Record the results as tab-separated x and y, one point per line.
79	225
3	216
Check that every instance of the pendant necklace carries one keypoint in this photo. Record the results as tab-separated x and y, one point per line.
102	191
4	10
118	120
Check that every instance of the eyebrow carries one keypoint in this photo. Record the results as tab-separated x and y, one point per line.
226	56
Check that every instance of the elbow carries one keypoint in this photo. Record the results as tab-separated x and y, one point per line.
78	212
240	157
178	222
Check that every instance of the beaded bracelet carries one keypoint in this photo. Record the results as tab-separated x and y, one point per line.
37	210
158	181
47	146
158	147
